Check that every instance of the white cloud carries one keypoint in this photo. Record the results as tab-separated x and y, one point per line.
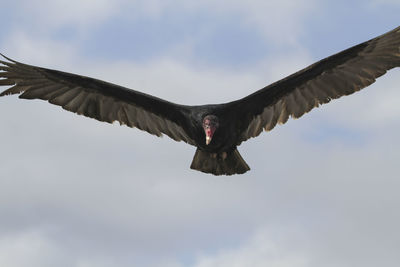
267	15
260	251
29	249
53	14
87	13
279	21
22	46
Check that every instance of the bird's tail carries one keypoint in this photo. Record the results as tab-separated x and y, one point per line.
226	163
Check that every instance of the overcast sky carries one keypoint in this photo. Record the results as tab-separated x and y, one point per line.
322	191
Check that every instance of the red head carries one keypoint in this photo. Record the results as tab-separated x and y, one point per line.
210	125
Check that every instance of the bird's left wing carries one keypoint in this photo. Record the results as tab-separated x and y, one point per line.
96	99
338	75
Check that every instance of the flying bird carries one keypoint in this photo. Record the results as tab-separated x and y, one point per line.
216	130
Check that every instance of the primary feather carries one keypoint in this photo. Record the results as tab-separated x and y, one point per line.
95	99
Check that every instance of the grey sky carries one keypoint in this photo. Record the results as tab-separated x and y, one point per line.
322	190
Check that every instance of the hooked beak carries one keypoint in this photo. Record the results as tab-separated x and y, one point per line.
208	140
209	134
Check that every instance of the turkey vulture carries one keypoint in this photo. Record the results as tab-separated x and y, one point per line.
216	130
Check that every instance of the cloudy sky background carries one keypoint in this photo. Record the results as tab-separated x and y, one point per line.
323	190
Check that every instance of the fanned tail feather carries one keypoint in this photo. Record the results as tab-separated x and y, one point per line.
219	163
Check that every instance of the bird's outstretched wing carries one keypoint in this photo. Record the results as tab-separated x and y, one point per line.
95	99
338	75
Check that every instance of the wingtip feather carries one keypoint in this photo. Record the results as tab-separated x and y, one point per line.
9	59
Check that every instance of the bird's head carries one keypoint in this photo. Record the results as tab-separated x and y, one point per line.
210	125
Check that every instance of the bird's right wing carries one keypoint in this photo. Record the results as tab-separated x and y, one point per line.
341	74
96	99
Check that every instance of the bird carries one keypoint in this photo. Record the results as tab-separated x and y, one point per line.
216	130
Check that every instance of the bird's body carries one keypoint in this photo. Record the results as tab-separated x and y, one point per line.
216	130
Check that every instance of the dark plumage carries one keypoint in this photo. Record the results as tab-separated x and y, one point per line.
216	130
